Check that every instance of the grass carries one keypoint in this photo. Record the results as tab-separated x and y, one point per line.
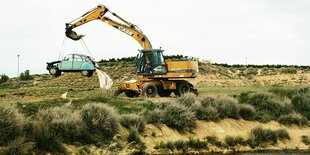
262	137
293	118
183	145
133	121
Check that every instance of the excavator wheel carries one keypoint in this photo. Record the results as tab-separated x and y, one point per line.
162	92
150	90
131	94
182	88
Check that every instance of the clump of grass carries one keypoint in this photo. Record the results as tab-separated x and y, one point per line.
133	121
270	104
214	141
179	117
305	139
228	108
154	117
133	135
208	101
45	140
192	143
204	113
187	99
100	119
16	147
247	112
11	123
261	137
301	103
293	118
63	122
234	141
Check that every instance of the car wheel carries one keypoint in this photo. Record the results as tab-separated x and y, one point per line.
54	71
150	90
87	73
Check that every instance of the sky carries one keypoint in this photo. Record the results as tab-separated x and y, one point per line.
221	31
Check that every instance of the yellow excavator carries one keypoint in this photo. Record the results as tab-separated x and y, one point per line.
155	76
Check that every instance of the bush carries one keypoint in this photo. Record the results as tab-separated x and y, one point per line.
187	99
214	141
204	113
45	140
288	70
233	141
208	101
133	121
63	122
270	104
3	78
228	108
260	136
154	117
283	92
247	112
11	123
16	147
293	118
196	144
133	136
305	139
301	103
100	119
25	76
179	117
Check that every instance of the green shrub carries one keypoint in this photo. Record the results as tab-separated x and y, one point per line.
133	121
133	136
12	123
214	141
187	99
3	78
293	118
180	144
15	147
261	137
154	117
283	92
233	141
197	144
288	70
179	117
228	108
100	119
247	112
63	122
301	103
282	134
271	104
45	140
305	139
208	101
25	76
204	113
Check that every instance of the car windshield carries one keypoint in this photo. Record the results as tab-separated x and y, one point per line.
68	58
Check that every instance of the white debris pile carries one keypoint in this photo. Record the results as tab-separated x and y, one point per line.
104	79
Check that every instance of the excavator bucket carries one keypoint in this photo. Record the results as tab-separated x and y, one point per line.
72	34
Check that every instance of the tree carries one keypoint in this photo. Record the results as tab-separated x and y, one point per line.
3	78
25	76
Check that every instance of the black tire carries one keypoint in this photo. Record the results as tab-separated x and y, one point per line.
87	73
182	88
54	71
131	94
163	93
150	90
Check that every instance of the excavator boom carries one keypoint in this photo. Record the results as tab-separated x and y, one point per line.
99	13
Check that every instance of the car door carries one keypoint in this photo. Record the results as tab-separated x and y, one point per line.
77	63
66	63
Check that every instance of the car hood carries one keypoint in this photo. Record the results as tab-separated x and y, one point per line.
53	62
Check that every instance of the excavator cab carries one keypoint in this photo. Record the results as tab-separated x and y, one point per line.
151	62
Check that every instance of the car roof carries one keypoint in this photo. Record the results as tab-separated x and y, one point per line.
77	54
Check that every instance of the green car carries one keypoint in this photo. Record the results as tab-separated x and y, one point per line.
73	63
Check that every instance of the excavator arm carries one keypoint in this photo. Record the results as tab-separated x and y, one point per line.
98	13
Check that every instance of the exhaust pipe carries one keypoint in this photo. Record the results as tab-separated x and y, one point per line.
72	34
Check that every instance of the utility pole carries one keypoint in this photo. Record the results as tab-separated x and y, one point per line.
18	65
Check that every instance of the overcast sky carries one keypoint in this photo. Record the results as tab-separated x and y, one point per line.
223	31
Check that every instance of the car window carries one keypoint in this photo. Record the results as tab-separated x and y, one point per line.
77	58
68	58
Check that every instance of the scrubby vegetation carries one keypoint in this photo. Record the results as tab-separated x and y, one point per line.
3	78
263	137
